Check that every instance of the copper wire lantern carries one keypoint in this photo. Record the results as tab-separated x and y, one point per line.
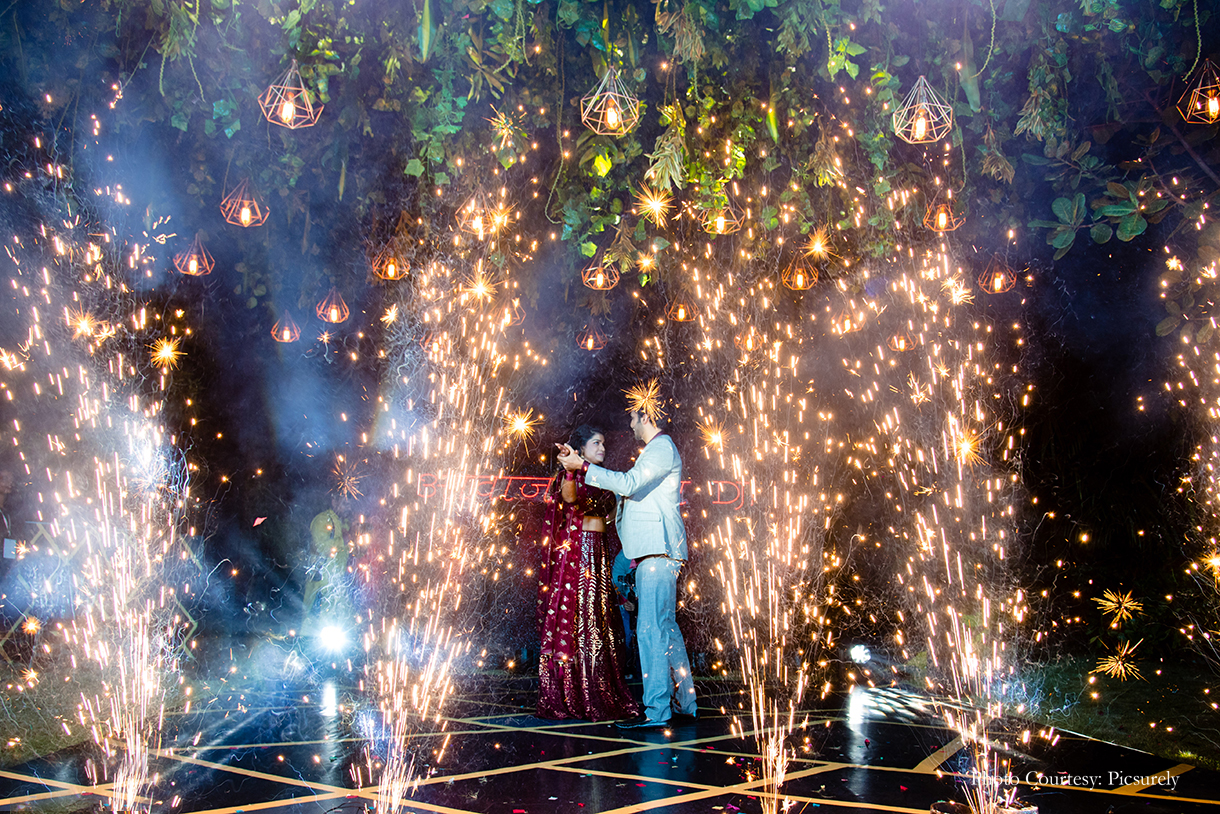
998	277
900	343
332	308
940	217
391	262
195	260
285	329
723	219
609	110
923	116
591	339
1201	104
680	311
800	275
600	276
241	207
749	341
511	313
289	103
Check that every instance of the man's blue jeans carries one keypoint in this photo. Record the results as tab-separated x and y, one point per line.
662	651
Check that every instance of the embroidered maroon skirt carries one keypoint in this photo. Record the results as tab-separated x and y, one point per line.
581	660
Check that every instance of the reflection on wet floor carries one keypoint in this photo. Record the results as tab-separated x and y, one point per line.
315	749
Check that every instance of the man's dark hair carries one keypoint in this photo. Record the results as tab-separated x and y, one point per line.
581	435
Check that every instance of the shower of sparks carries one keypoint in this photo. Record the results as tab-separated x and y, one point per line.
713	435
645	398
1120	607
347	478
391	315
165	353
521	425
1120	664
654	205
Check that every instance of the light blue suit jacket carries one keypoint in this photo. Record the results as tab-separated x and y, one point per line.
648	518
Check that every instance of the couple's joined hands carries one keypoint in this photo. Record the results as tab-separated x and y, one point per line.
570	459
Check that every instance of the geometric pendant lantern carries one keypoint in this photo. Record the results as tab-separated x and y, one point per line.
289	103
1201	104
242	208
923	116
609	110
195	261
285	329
332	308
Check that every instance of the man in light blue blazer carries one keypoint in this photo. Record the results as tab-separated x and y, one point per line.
653	534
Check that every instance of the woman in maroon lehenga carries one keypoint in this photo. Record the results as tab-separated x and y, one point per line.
580	665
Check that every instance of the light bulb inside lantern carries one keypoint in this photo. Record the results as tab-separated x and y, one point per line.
613	119
997	284
334	314
287	335
288	111
1213	107
942	219
720	223
245	217
921	124
681	313
589	343
600	279
391	270
193	264
800	280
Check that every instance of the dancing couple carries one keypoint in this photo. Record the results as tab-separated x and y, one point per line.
582	654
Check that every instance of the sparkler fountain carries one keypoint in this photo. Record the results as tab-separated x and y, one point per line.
112	494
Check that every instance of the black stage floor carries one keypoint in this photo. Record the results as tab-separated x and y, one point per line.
882	750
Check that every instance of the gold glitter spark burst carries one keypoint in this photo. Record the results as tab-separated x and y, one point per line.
29	676
521	424
713	435
165	353
1120	664
966	447
645	398
82	324
654	204
347	478
818	244
391	315
479	286
1120	607
507	128
31	625
959	292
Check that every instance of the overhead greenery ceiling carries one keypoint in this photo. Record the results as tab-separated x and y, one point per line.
1065	121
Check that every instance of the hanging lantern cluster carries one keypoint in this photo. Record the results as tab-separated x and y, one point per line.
285	329
591	339
1201	104
195	261
332	308
609	110
923	116
600	276
241	207
288	103
998	277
